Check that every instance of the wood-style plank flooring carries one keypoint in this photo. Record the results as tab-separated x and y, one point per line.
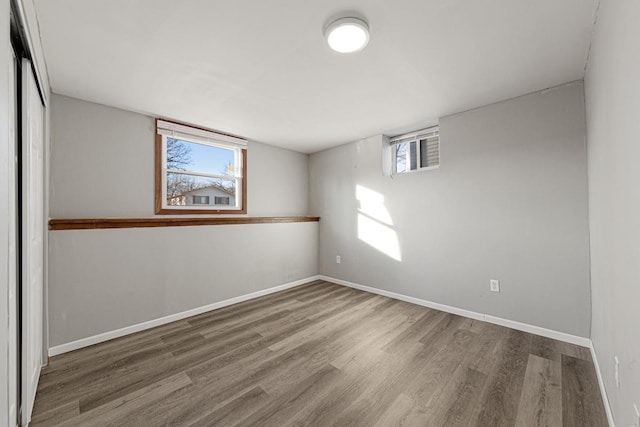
323	355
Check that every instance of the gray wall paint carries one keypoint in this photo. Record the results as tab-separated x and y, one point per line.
509	202
101	280
101	161
278	181
613	118
102	165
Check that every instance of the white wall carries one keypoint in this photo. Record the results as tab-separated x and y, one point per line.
613	131
101	280
102	165
509	202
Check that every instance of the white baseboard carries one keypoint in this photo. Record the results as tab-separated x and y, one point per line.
106	336
603	391
561	336
537	330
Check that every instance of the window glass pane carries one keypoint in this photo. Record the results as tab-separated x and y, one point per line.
401	157
429	152
192	157
187	190
414	156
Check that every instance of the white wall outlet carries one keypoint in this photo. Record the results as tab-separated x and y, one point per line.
338	260
494	285
616	370
637	415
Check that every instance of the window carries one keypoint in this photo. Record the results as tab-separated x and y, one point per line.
201	200
195	166
416	151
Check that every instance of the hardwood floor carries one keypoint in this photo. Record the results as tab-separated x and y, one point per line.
323	355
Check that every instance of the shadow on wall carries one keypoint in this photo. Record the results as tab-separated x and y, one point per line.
375	226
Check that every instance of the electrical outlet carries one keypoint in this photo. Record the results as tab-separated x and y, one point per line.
616	370
494	285
637	413
338	260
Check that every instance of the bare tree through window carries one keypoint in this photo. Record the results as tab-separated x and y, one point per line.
179	158
199	170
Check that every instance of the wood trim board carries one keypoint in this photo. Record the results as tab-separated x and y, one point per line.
97	223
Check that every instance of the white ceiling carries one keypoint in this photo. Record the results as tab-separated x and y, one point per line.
262	70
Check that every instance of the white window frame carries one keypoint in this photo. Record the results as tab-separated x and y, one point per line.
416	137
166	130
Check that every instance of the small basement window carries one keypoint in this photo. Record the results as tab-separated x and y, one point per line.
196	166
416	151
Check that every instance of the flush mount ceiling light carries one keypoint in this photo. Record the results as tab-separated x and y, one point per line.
347	35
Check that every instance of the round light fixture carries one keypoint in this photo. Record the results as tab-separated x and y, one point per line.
347	35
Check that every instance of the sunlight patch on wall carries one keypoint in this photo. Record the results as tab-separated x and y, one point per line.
372	204
374	223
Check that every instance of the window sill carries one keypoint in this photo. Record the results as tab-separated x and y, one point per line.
201	211
430	168
101	223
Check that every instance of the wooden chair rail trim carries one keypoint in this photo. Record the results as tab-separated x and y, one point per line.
95	223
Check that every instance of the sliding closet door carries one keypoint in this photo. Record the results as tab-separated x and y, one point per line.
13	244
32	237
